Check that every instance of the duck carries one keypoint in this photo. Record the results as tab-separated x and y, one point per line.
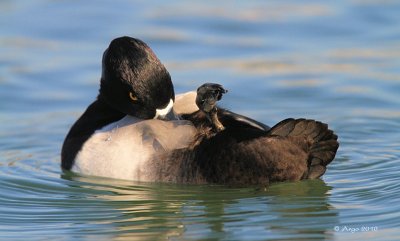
138	129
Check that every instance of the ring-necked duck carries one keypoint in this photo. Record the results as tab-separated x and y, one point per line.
137	129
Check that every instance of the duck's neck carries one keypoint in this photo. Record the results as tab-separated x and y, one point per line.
96	116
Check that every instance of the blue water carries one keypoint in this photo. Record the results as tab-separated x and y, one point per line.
336	61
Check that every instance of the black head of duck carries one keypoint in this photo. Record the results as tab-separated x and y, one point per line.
134	81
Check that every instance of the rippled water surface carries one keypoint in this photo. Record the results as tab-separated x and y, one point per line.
336	61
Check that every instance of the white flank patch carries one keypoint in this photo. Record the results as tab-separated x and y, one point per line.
128	148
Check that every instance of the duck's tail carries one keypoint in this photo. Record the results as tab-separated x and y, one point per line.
322	142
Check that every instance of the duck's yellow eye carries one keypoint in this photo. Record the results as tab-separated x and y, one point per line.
132	96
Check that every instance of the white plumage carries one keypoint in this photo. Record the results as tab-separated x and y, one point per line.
125	149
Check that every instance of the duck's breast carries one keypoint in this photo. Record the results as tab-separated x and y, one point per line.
125	149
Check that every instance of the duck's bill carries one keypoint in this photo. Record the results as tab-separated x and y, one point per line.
167	113
169	116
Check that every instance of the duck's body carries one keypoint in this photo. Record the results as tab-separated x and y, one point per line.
132	148
117	136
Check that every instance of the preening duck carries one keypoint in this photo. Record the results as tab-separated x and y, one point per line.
138	130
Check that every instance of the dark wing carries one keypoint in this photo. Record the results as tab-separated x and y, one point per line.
243	120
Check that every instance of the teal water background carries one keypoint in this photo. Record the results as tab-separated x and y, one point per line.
335	61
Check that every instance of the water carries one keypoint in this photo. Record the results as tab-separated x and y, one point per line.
336	61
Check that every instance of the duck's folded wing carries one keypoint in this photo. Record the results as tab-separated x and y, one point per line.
185	104
243	120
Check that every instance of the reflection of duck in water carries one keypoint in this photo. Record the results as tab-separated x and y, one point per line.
289	211
133	132
157	211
